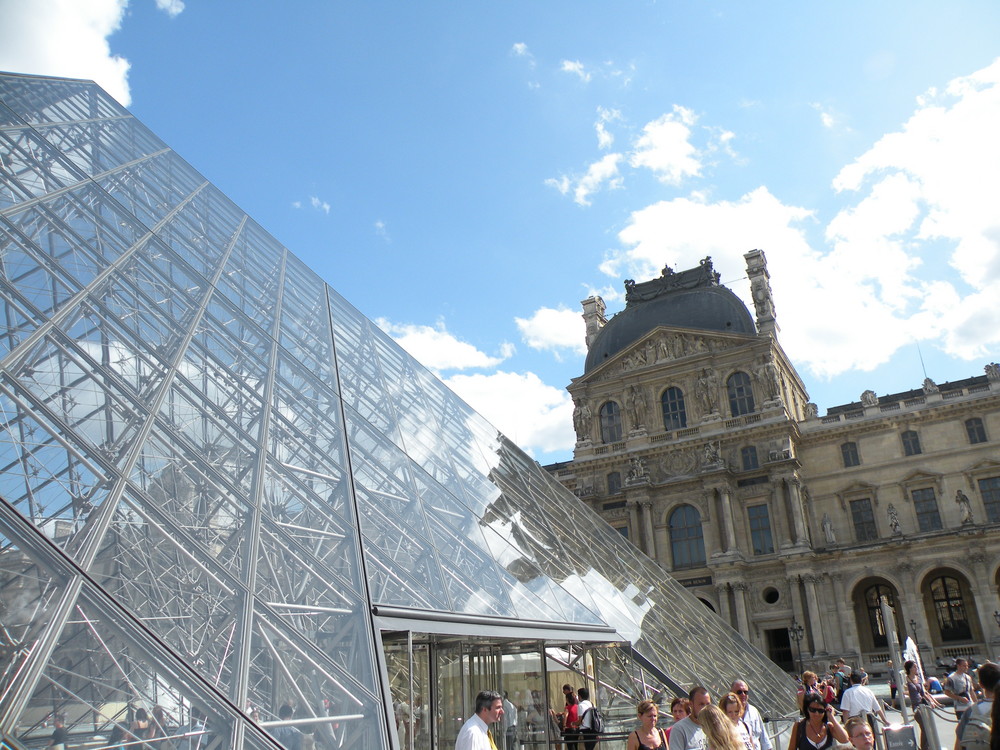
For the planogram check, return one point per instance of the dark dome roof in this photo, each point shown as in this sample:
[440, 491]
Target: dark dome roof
[712, 308]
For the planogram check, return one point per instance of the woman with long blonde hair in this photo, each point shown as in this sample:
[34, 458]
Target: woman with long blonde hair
[732, 707]
[720, 734]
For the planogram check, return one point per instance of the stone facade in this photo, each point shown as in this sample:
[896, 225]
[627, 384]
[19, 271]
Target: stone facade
[702, 447]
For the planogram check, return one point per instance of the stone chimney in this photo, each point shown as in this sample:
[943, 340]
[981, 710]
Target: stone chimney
[593, 317]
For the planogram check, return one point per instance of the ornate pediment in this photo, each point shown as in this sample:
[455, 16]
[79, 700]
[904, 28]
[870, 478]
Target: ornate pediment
[661, 346]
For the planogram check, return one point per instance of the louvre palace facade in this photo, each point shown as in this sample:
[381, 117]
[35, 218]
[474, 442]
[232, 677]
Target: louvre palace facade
[223, 490]
[698, 442]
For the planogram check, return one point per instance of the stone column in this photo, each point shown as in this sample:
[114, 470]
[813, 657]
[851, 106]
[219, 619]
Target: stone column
[742, 620]
[850, 641]
[725, 612]
[817, 614]
[635, 524]
[835, 625]
[649, 538]
[783, 522]
[710, 524]
[794, 497]
[984, 595]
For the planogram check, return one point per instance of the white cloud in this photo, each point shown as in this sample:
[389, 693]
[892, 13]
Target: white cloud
[296, 204]
[536, 416]
[826, 117]
[604, 116]
[319, 205]
[604, 171]
[575, 67]
[665, 147]
[554, 330]
[172, 8]
[66, 38]
[381, 230]
[938, 178]
[438, 349]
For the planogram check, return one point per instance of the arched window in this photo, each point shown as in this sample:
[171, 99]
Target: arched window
[611, 422]
[687, 544]
[975, 430]
[674, 414]
[740, 394]
[873, 598]
[911, 443]
[949, 607]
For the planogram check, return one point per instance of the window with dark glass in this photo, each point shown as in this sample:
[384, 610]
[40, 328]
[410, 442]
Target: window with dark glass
[926, 507]
[623, 530]
[674, 414]
[911, 443]
[873, 599]
[687, 544]
[748, 456]
[760, 530]
[949, 607]
[989, 490]
[611, 422]
[849, 452]
[614, 482]
[975, 430]
[863, 519]
[740, 394]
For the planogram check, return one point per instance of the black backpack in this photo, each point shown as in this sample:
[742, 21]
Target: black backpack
[596, 720]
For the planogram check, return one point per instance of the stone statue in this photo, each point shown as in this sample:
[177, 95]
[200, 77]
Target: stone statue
[635, 403]
[582, 417]
[992, 372]
[711, 456]
[828, 529]
[812, 411]
[965, 508]
[893, 520]
[930, 386]
[637, 470]
[868, 398]
[707, 391]
[767, 376]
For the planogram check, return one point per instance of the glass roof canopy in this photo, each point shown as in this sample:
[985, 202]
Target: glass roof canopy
[218, 478]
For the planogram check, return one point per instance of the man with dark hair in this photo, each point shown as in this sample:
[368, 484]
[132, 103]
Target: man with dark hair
[751, 716]
[287, 735]
[475, 733]
[858, 699]
[686, 734]
[586, 710]
[958, 687]
[975, 727]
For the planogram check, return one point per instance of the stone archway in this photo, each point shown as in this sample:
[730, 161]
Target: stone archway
[872, 630]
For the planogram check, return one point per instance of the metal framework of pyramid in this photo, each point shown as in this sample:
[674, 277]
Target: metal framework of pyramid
[213, 468]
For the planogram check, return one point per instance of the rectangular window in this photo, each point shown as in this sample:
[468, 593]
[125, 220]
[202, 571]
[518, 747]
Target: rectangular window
[989, 489]
[975, 430]
[614, 483]
[863, 519]
[849, 452]
[911, 443]
[926, 507]
[748, 455]
[760, 530]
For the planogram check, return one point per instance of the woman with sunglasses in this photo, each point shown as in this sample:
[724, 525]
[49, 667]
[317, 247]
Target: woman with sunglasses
[819, 729]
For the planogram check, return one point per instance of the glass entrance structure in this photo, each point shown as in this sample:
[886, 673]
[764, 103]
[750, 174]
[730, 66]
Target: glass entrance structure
[223, 490]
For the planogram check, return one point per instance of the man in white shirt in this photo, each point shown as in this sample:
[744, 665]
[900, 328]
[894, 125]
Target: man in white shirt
[686, 734]
[586, 720]
[752, 717]
[958, 687]
[475, 733]
[857, 698]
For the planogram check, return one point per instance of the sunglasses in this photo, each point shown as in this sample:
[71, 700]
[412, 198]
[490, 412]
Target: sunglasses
[742, 692]
[817, 710]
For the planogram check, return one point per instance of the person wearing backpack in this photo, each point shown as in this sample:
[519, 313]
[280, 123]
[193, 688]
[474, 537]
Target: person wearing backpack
[591, 721]
[975, 726]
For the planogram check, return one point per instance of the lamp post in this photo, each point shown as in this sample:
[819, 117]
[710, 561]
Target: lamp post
[796, 632]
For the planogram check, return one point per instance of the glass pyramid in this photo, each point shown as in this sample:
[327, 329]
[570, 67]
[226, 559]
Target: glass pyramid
[215, 472]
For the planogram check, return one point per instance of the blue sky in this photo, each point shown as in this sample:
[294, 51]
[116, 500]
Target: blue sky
[466, 173]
